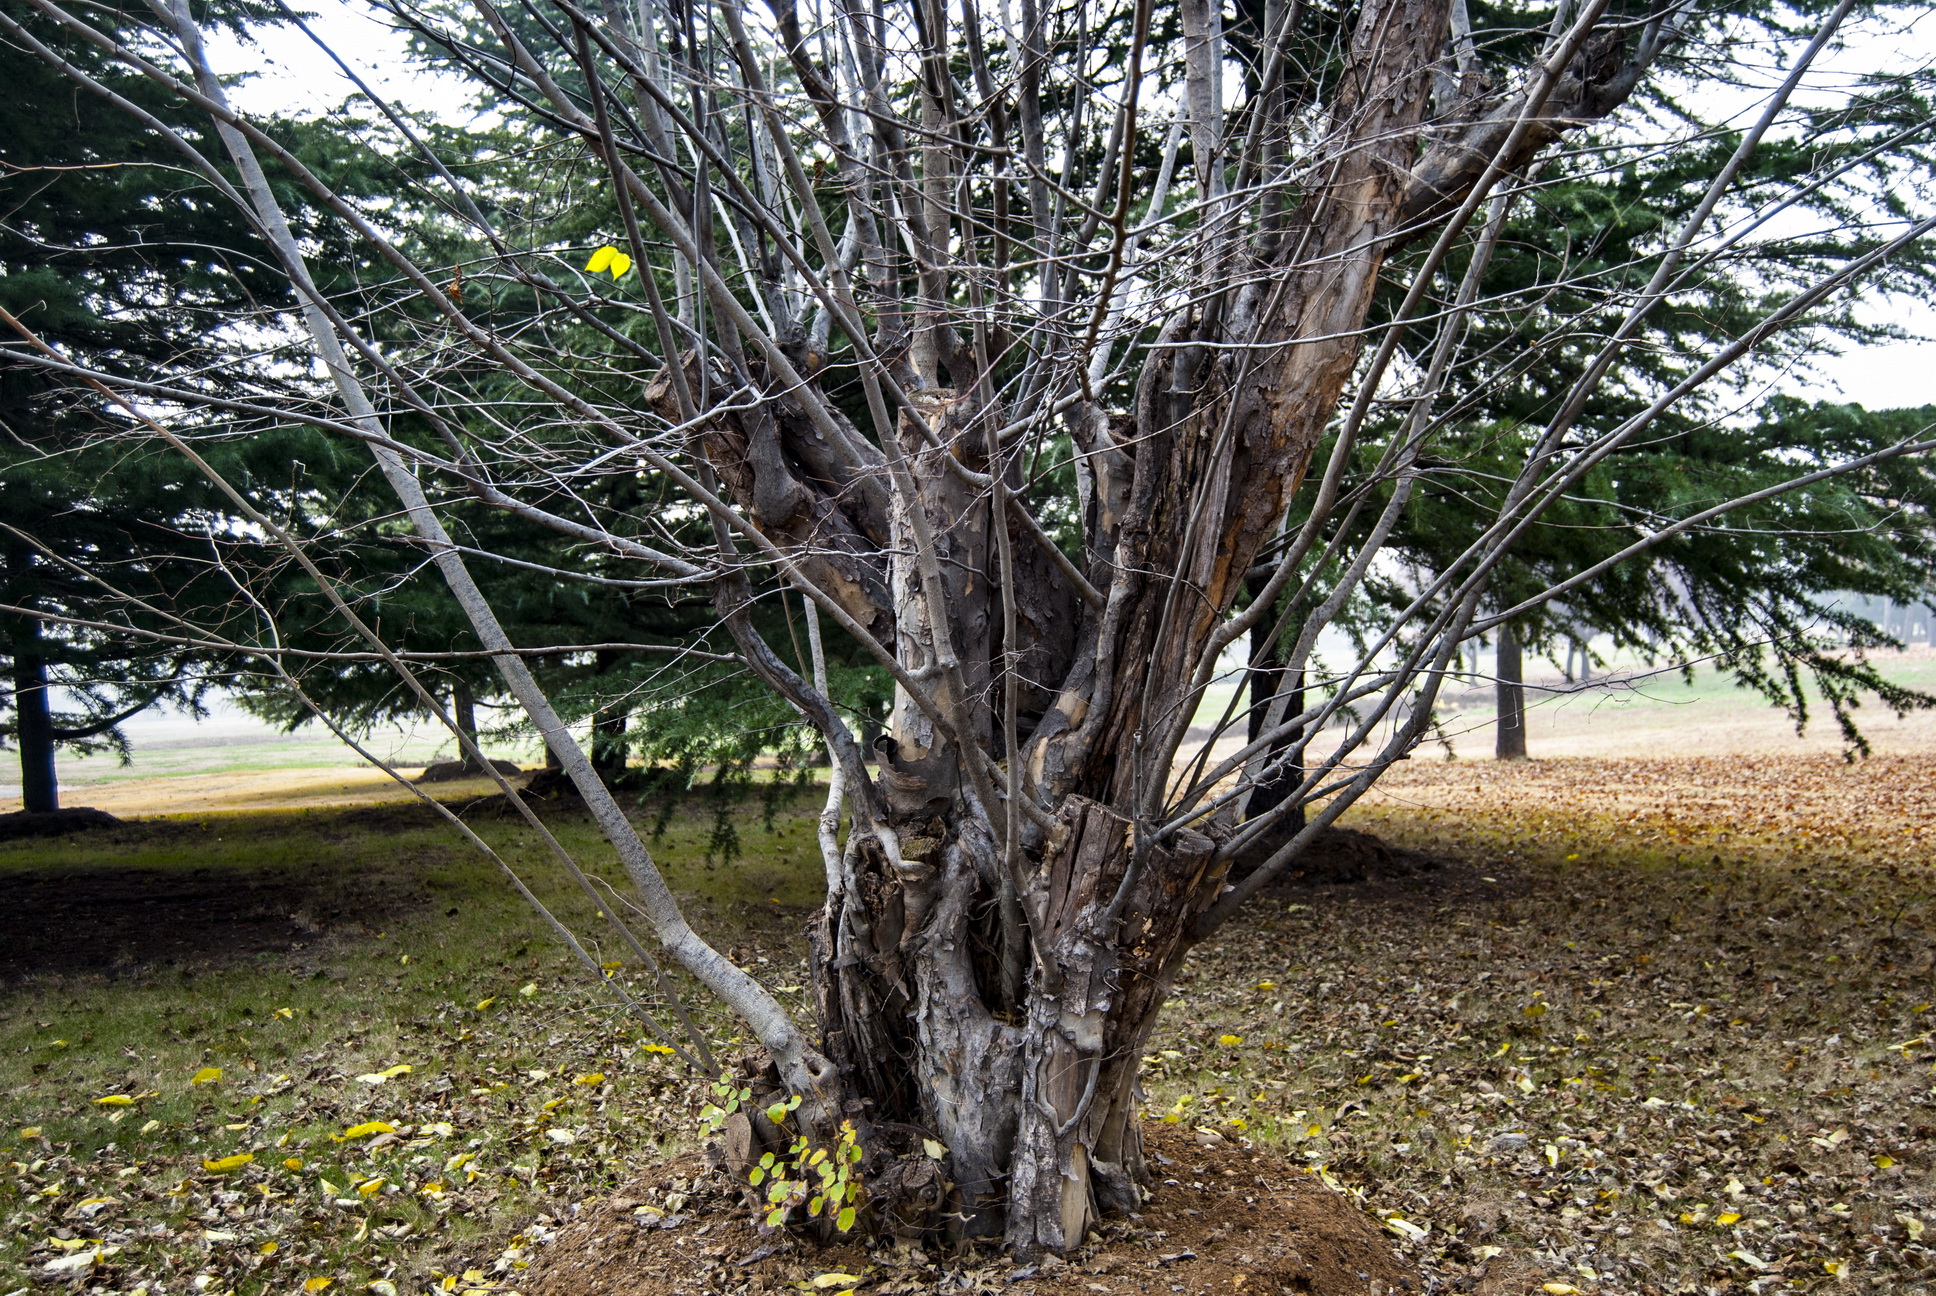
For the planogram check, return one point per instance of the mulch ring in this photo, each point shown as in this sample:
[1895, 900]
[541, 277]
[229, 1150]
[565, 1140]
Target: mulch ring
[1222, 1219]
[103, 917]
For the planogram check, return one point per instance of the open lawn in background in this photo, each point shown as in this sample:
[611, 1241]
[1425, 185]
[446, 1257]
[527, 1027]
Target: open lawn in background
[1653, 1026]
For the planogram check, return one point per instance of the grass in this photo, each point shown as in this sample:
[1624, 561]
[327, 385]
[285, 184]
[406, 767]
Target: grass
[453, 977]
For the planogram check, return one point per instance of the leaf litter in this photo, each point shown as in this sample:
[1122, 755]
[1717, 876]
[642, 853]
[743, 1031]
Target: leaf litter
[1663, 1026]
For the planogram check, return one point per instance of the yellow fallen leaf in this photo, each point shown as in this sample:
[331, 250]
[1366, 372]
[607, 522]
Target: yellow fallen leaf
[269, 1248]
[207, 1075]
[473, 1275]
[482, 1004]
[151, 1127]
[365, 1130]
[656, 1048]
[30, 1132]
[292, 1163]
[222, 1165]
[329, 1189]
[1882, 1162]
[285, 1013]
[1560, 1289]
[590, 1078]
[372, 1186]
[1230, 1041]
[115, 1100]
[528, 990]
[601, 259]
[317, 1284]
[1728, 1217]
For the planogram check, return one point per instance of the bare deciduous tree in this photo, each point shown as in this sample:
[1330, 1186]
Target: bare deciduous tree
[1006, 343]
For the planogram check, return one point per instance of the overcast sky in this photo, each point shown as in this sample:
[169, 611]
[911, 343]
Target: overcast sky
[291, 76]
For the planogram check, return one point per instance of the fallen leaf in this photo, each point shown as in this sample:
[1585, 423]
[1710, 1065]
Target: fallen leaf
[365, 1130]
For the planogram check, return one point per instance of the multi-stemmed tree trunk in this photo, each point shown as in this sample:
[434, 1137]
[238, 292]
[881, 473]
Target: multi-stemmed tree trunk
[887, 305]
[989, 966]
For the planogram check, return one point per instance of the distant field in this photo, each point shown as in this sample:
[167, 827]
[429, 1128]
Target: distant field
[234, 762]
[1635, 714]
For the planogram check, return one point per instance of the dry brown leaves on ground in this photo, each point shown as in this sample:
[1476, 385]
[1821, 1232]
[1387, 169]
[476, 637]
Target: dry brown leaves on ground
[1666, 1029]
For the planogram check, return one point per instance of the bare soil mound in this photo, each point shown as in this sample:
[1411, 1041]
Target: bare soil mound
[1337, 856]
[18, 825]
[452, 770]
[1222, 1219]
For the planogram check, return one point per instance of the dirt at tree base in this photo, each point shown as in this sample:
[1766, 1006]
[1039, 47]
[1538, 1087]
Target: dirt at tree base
[1222, 1219]
[452, 770]
[1337, 856]
[126, 920]
[20, 825]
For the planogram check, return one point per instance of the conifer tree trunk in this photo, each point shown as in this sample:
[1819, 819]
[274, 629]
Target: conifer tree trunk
[463, 706]
[34, 724]
[1510, 737]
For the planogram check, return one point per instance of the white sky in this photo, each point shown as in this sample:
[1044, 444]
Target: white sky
[289, 75]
